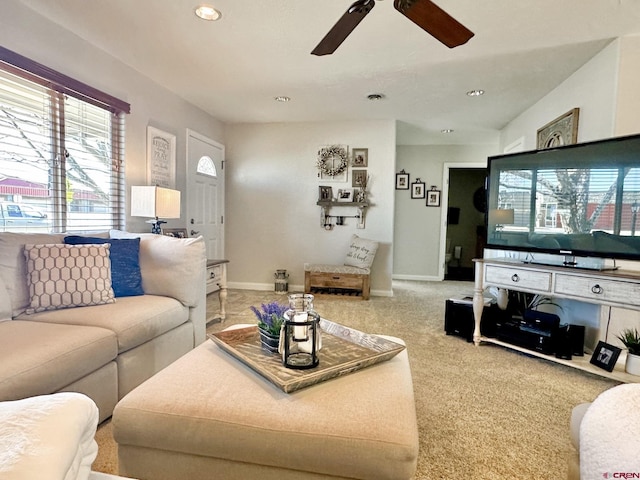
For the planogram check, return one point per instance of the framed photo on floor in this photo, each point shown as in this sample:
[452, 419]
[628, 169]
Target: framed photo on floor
[605, 356]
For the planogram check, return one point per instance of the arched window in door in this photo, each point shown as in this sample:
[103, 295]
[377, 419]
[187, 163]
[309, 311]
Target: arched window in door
[206, 167]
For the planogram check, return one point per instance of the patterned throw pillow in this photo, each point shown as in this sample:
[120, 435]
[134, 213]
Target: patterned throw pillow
[126, 278]
[361, 252]
[62, 276]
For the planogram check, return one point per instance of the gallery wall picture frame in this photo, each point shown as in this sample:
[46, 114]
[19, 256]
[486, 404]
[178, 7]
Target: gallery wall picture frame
[333, 163]
[433, 197]
[605, 356]
[560, 131]
[418, 189]
[345, 195]
[161, 158]
[325, 193]
[360, 157]
[402, 180]
[175, 232]
[358, 178]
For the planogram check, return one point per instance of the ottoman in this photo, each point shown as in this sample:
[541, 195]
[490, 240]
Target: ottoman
[208, 415]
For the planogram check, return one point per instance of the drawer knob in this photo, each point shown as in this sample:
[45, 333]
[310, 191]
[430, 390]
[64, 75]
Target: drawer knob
[515, 278]
[335, 278]
[597, 289]
[212, 275]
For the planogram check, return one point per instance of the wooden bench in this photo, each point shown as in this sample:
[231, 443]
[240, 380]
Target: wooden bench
[333, 278]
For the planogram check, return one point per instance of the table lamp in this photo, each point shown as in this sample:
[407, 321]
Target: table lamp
[156, 202]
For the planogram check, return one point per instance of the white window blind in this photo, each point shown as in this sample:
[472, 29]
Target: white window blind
[61, 154]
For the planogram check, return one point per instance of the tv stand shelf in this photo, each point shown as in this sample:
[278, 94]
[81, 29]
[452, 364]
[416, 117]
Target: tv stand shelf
[616, 288]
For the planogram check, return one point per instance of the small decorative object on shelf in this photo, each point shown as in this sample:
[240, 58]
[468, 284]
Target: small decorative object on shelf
[270, 321]
[605, 356]
[281, 282]
[631, 339]
[325, 194]
[345, 195]
[301, 339]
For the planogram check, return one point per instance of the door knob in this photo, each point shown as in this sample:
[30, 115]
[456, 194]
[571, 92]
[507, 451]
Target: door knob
[193, 232]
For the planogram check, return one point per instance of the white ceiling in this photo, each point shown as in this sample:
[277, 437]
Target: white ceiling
[235, 67]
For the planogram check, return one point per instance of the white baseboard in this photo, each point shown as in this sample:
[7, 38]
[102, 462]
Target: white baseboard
[417, 278]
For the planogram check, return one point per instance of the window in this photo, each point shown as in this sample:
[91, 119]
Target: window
[61, 151]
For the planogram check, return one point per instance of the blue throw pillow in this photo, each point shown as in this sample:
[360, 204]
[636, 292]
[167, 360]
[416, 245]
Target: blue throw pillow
[126, 279]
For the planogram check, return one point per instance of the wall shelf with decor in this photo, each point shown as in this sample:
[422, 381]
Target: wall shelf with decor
[326, 219]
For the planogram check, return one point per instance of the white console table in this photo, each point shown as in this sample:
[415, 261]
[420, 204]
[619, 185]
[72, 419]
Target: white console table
[617, 288]
[217, 282]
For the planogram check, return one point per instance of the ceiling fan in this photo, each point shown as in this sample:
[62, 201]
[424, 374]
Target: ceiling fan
[424, 13]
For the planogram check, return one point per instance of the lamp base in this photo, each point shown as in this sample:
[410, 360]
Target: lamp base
[155, 226]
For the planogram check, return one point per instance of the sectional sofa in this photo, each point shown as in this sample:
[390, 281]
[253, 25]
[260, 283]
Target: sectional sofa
[98, 314]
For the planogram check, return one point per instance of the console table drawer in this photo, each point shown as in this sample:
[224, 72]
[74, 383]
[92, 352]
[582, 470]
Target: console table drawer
[518, 279]
[598, 289]
[214, 276]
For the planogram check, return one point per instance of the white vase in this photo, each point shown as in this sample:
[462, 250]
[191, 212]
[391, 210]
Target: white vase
[632, 365]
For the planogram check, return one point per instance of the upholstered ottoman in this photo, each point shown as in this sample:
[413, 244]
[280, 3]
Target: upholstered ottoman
[209, 416]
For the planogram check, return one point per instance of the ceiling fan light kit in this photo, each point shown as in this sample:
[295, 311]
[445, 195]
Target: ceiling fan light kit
[424, 13]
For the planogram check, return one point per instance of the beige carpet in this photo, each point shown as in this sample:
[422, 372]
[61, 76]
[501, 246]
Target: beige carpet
[483, 412]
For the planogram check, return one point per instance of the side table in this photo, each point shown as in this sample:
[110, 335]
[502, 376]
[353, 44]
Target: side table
[217, 282]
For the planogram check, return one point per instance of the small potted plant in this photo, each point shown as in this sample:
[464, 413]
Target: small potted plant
[270, 319]
[630, 337]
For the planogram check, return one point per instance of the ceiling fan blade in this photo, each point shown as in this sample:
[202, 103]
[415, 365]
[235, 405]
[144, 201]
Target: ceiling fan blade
[435, 21]
[341, 30]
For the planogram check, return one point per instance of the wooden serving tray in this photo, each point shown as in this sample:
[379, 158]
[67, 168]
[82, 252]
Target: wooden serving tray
[344, 350]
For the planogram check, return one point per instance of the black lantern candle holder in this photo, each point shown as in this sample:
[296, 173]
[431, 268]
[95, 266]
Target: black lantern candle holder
[301, 341]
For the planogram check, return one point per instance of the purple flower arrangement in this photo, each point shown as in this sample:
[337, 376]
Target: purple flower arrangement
[271, 317]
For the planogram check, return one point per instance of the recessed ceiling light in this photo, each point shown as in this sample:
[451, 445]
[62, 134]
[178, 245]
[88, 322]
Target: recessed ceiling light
[475, 93]
[375, 97]
[446, 130]
[207, 12]
[282, 98]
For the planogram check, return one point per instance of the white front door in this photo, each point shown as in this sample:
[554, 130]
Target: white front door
[205, 192]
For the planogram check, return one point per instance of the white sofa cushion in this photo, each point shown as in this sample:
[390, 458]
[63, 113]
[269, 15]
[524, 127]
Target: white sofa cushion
[13, 268]
[62, 276]
[49, 437]
[170, 266]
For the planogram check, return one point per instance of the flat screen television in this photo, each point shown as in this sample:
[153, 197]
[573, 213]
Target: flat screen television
[579, 202]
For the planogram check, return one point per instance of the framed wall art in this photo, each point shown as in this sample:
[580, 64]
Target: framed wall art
[417, 189]
[325, 194]
[161, 158]
[345, 195]
[333, 163]
[360, 157]
[359, 178]
[402, 180]
[561, 131]
[433, 197]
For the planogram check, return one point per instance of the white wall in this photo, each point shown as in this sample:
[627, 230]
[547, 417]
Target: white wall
[273, 221]
[36, 38]
[418, 227]
[592, 88]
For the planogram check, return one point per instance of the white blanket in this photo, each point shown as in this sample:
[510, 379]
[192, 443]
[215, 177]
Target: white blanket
[610, 435]
[50, 437]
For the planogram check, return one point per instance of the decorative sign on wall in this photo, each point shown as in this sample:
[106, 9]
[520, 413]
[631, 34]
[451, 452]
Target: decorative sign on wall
[161, 158]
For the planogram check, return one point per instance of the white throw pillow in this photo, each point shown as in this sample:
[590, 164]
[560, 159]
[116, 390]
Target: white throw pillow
[172, 267]
[361, 252]
[62, 276]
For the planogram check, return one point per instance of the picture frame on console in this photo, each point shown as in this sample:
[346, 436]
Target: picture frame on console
[605, 356]
[175, 232]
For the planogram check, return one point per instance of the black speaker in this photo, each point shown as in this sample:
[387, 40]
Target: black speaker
[576, 338]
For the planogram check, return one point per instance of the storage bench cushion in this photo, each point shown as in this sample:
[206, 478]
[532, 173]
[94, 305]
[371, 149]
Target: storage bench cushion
[210, 410]
[40, 357]
[326, 268]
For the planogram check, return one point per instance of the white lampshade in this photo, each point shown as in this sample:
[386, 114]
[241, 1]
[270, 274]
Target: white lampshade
[156, 202]
[501, 216]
